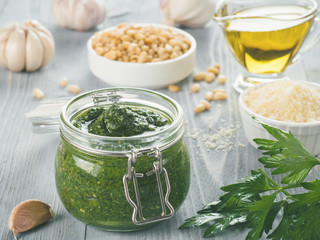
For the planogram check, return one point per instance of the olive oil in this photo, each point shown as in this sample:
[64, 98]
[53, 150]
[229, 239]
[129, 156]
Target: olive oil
[267, 44]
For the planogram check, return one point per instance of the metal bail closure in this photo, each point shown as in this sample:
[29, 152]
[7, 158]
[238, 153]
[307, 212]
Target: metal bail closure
[112, 97]
[157, 169]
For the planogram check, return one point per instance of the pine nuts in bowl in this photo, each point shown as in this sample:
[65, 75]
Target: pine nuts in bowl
[287, 105]
[141, 55]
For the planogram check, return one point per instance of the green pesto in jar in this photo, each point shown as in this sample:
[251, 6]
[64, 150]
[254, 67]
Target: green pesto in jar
[120, 121]
[90, 185]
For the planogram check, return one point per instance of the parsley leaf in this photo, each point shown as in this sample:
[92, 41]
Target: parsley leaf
[257, 215]
[252, 200]
[286, 155]
[310, 198]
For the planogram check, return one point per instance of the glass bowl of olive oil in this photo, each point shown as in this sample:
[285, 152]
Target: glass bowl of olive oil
[265, 36]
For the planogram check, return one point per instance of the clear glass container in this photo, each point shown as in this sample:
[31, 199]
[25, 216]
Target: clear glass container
[267, 36]
[122, 183]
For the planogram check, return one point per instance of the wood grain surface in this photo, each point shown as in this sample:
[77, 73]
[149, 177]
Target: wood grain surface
[27, 159]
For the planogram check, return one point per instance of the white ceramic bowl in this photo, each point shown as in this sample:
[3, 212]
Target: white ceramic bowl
[307, 133]
[146, 75]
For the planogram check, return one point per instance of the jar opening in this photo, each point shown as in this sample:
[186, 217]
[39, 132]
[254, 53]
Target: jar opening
[124, 96]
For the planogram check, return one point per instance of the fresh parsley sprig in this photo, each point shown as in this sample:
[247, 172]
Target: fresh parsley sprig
[254, 201]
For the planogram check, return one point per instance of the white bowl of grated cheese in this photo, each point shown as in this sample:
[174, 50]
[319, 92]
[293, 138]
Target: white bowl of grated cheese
[288, 105]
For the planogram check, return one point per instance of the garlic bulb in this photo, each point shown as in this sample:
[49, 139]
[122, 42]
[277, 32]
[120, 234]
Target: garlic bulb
[28, 46]
[190, 13]
[79, 14]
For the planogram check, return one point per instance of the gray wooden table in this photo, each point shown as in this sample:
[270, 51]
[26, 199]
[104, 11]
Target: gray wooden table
[27, 159]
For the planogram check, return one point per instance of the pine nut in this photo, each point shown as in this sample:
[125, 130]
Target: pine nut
[38, 93]
[209, 96]
[220, 96]
[214, 70]
[205, 103]
[142, 57]
[222, 79]
[217, 65]
[74, 88]
[195, 88]
[112, 55]
[210, 77]
[199, 76]
[63, 82]
[199, 108]
[173, 88]
[130, 39]
[218, 90]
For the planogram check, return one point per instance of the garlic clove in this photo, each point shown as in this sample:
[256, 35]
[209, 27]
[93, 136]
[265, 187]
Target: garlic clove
[47, 44]
[192, 13]
[28, 215]
[34, 51]
[3, 60]
[81, 20]
[79, 14]
[15, 50]
[48, 48]
[6, 30]
[87, 14]
[41, 28]
[4, 35]
[101, 11]
[60, 11]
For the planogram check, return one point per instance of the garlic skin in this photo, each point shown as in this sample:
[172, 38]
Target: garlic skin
[29, 214]
[26, 46]
[80, 15]
[189, 13]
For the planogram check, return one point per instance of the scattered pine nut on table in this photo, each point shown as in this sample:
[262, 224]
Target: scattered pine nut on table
[37, 92]
[173, 88]
[217, 65]
[220, 95]
[74, 88]
[209, 96]
[222, 79]
[63, 82]
[199, 108]
[200, 76]
[214, 70]
[206, 104]
[210, 77]
[195, 88]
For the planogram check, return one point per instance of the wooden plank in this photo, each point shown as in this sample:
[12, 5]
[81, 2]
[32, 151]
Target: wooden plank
[27, 160]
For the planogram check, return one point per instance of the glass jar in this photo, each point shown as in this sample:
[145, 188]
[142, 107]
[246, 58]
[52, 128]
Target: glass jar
[122, 183]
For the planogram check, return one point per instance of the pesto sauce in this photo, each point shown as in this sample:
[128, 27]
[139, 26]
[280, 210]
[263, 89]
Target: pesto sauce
[120, 121]
[90, 186]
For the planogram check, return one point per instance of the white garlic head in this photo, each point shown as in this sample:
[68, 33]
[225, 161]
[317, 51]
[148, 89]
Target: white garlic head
[189, 13]
[81, 15]
[26, 46]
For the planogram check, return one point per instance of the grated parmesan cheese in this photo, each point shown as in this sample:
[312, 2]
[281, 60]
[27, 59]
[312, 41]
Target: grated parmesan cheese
[287, 101]
[218, 139]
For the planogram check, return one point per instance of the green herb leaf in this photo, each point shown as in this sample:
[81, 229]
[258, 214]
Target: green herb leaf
[307, 223]
[285, 229]
[310, 198]
[251, 200]
[257, 215]
[272, 214]
[228, 220]
[286, 155]
[200, 220]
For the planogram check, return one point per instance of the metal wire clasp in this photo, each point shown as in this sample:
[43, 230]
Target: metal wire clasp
[157, 169]
[112, 96]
